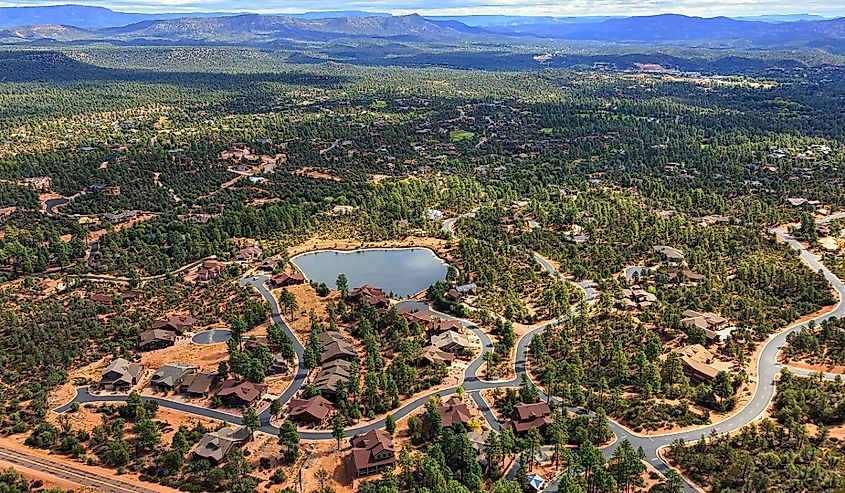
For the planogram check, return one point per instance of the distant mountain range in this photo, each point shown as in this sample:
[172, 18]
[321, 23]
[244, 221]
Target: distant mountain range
[20, 25]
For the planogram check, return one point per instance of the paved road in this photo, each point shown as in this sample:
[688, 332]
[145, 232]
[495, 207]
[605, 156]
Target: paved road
[76, 475]
[767, 371]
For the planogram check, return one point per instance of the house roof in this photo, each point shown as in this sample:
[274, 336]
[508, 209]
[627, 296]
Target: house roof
[454, 411]
[241, 389]
[169, 374]
[216, 445]
[450, 338]
[121, 370]
[315, 408]
[670, 253]
[368, 446]
[152, 335]
[434, 355]
[199, 383]
[178, 322]
[333, 345]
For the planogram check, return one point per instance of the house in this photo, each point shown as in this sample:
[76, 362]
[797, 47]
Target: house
[369, 295]
[699, 364]
[287, 279]
[280, 365]
[199, 384]
[451, 342]
[248, 253]
[415, 317]
[132, 295]
[525, 417]
[687, 274]
[102, 299]
[637, 297]
[120, 375]
[372, 452]
[330, 376]
[175, 323]
[478, 441]
[217, 445]
[453, 295]
[714, 326]
[434, 215]
[312, 410]
[153, 339]
[170, 377]
[454, 411]
[208, 271]
[440, 326]
[432, 355]
[670, 254]
[268, 265]
[334, 346]
[240, 393]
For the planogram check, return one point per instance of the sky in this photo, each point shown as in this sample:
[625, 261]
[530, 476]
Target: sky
[705, 8]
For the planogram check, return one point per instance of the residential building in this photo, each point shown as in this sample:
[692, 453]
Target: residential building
[370, 295]
[525, 417]
[312, 410]
[240, 393]
[120, 375]
[451, 342]
[330, 376]
[287, 279]
[170, 376]
[334, 346]
[714, 326]
[432, 355]
[153, 339]
[670, 254]
[372, 452]
[248, 253]
[176, 323]
[699, 364]
[454, 411]
[200, 384]
[216, 446]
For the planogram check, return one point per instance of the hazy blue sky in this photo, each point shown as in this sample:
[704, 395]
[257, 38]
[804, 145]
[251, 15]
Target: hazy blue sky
[464, 7]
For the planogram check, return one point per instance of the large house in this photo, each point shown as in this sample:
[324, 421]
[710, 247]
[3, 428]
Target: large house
[240, 393]
[287, 279]
[672, 255]
[525, 417]
[208, 271]
[700, 364]
[199, 384]
[432, 355]
[153, 339]
[415, 317]
[714, 326]
[176, 323]
[120, 375]
[369, 295]
[330, 376]
[334, 346]
[372, 452]
[170, 377]
[312, 410]
[451, 342]
[248, 253]
[637, 297]
[440, 326]
[217, 445]
[454, 411]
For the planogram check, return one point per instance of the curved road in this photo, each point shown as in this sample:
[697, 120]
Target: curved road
[768, 369]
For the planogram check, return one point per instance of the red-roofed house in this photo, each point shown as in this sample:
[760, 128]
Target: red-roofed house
[528, 416]
[372, 452]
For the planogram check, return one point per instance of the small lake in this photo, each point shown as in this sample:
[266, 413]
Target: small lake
[403, 271]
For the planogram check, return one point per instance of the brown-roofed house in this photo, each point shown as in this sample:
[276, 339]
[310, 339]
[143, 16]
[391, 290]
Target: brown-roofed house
[240, 393]
[176, 323]
[199, 384]
[334, 346]
[431, 355]
[312, 410]
[248, 253]
[454, 411]
[102, 299]
[156, 339]
[525, 417]
[441, 326]
[372, 452]
[369, 295]
[287, 279]
[208, 271]
[415, 317]
[699, 363]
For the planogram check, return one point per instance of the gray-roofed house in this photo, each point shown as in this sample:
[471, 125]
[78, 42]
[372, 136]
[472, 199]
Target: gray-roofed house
[120, 375]
[199, 384]
[217, 445]
[171, 376]
[451, 342]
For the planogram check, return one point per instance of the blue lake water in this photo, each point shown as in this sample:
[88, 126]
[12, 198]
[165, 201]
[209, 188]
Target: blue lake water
[403, 272]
